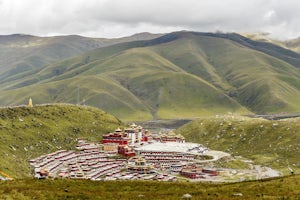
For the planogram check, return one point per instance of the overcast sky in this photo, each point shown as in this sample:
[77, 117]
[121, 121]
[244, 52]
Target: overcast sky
[117, 18]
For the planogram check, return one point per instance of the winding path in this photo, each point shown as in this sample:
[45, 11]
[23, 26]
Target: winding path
[215, 154]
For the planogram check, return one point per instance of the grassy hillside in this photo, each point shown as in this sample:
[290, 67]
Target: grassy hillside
[268, 48]
[22, 55]
[27, 133]
[97, 91]
[279, 188]
[178, 75]
[267, 142]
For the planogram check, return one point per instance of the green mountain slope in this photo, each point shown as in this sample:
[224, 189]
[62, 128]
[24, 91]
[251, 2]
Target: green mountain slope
[155, 86]
[21, 55]
[273, 48]
[270, 143]
[178, 75]
[27, 133]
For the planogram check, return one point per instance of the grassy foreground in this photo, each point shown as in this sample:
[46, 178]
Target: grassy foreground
[279, 188]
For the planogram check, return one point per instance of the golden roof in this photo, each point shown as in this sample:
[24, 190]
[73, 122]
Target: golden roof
[140, 160]
[118, 130]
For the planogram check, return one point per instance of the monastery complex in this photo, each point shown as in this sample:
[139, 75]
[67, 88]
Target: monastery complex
[131, 153]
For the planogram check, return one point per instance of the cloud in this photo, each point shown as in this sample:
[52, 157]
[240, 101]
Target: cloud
[113, 18]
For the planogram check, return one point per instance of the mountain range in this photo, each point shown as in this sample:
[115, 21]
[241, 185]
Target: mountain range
[146, 76]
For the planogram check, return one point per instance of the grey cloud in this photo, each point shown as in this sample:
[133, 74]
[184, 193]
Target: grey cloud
[111, 18]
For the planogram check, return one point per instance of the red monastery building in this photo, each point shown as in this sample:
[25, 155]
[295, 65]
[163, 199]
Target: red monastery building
[126, 139]
[116, 137]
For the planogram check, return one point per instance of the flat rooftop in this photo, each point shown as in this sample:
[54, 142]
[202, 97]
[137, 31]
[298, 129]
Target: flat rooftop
[168, 147]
